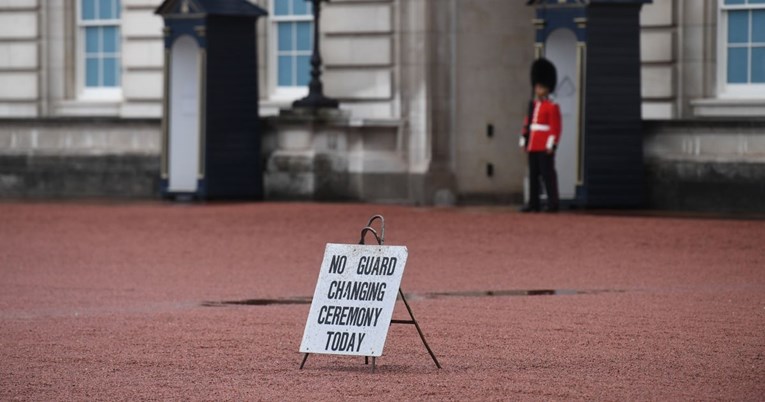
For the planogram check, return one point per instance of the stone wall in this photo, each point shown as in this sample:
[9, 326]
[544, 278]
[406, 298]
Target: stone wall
[326, 156]
[704, 165]
[79, 158]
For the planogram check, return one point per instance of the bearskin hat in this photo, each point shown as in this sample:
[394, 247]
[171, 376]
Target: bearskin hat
[543, 72]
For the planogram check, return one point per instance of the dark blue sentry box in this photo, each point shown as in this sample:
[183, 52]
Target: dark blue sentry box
[210, 129]
[595, 45]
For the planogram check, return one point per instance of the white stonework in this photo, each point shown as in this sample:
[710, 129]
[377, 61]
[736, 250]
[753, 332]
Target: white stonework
[358, 18]
[357, 51]
[657, 46]
[657, 81]
[78, 139]
[18, 24]
[659, 110]
[143, 85]
[18, 3]
[141, 23]
[659, 13]
[143, 54]
[658, 55]
[18, 55]
[359, 84]
[18, 86]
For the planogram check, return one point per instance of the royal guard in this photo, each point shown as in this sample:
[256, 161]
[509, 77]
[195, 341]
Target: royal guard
[541, 135]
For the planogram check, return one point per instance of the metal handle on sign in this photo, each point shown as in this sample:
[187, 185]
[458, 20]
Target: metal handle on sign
[368, 228]
[374, 232]
[382, 226]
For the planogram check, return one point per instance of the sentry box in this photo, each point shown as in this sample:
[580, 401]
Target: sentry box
[595, 46]
[210, 129]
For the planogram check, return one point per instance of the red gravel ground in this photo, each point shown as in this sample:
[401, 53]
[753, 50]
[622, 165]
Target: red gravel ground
[105, 302]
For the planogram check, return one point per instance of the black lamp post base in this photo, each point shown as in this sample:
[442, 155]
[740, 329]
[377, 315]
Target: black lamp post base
[316, 101]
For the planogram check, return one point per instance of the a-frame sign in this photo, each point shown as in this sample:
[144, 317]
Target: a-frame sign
[355, 295]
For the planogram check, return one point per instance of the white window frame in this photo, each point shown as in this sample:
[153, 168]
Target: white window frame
[276, 92]
[85, 93]
[724, 89]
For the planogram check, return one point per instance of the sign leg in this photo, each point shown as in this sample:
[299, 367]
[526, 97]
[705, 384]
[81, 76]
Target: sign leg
[374, 363]
[419, 330]
[305, 357]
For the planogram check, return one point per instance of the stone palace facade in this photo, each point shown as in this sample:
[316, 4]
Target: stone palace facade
[433, 95]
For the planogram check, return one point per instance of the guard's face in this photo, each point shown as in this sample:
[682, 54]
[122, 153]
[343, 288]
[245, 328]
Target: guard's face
[541, 91]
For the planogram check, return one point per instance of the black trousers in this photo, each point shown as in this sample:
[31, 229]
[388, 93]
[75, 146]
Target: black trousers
[542, 164]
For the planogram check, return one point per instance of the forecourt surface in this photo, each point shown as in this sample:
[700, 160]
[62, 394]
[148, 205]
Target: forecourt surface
[108, 302]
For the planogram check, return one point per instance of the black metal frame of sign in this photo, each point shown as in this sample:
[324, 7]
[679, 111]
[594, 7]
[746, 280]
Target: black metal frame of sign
[413, 321]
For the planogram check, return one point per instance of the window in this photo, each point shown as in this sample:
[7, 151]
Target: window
[742, 48]
[292, 43]
[99, 58]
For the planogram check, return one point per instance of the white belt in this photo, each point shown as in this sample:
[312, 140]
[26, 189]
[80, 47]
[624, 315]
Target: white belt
[540, 127]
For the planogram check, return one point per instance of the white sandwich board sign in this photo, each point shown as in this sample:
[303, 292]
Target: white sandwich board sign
[354, 299]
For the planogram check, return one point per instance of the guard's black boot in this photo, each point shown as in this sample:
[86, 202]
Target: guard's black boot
[552, 210]
[529, 208]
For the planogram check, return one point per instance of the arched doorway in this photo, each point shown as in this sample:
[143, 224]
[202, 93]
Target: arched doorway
[561, 49]
[184, 116]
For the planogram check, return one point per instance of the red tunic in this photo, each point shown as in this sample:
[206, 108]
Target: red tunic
[545, 127]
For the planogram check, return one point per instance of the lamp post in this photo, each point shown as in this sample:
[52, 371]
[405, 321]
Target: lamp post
[316, 98]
